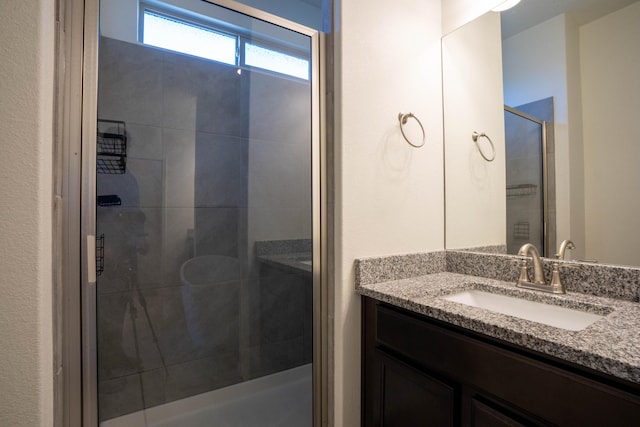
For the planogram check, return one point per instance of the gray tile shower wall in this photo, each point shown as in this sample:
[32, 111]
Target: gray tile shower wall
[190, 126]
[202, 96]
[288, 121]
[130, 83]
[221, 171]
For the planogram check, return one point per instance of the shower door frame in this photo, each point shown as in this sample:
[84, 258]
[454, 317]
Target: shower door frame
[86, 180]
[546, 249]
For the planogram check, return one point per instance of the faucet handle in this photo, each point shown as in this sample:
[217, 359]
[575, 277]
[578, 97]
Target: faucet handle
[524, 272]
[556, 284]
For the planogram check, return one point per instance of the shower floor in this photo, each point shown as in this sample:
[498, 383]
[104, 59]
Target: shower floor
[283, 399]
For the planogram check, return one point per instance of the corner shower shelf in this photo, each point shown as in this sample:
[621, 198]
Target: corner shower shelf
[521, 190]
[111, 151]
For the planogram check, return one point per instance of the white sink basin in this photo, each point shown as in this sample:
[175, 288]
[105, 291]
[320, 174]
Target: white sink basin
[553, 315]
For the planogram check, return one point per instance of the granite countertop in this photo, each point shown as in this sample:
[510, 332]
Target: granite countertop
[610, 345]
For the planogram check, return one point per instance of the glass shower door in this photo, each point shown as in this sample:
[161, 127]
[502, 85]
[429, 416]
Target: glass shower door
[525, 164]
[204, 218]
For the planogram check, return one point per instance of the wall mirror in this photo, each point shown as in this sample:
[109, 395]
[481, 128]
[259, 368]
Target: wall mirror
[555, 87]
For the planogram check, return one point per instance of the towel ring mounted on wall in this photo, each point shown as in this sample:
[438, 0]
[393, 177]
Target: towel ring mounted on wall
[402, 118]
[475, 135]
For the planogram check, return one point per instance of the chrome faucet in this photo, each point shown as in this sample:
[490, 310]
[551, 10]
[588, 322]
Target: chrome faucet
[538, 282]
[566, 244]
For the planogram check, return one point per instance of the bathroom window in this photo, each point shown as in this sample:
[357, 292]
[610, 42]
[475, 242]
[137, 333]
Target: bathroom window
[165, 30]
[269, 59]
[181, 36]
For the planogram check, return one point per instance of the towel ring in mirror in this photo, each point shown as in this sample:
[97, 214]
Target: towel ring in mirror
[475, 135]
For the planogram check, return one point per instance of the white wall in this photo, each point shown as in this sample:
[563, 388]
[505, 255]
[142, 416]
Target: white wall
[26, 132]
[536, 64]
[389, 196]
[610, 61]
[576, 213]
[473, 101]
[456, 13]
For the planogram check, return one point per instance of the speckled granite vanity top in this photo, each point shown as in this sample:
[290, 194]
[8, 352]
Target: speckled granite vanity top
[610, 345]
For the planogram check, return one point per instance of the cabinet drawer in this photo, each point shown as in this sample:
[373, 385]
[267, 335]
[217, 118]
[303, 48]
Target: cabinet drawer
[533, 386]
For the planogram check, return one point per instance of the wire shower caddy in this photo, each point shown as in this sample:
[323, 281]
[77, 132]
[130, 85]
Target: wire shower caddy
[111, 150]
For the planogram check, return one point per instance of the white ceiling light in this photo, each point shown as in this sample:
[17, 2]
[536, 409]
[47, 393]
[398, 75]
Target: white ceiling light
[505, 5]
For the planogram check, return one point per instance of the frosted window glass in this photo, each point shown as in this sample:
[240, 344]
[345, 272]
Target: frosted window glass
[268, 59]
[183, 37]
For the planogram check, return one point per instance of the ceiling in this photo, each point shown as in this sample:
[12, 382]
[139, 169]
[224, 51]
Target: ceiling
[532, 12]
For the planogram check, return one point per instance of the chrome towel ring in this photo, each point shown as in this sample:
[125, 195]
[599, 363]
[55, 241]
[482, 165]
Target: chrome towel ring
[475, 135]
[402, 118]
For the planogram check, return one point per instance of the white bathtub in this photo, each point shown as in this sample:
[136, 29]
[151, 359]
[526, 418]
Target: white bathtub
[283, 399]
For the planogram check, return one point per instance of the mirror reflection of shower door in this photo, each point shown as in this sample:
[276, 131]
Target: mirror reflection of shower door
[205, 225]
[525, 164]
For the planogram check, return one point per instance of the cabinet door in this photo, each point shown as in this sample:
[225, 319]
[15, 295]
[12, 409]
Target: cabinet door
[408, 397]
[485, 416]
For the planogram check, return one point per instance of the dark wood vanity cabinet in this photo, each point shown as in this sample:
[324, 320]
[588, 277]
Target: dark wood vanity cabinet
[417, 371]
